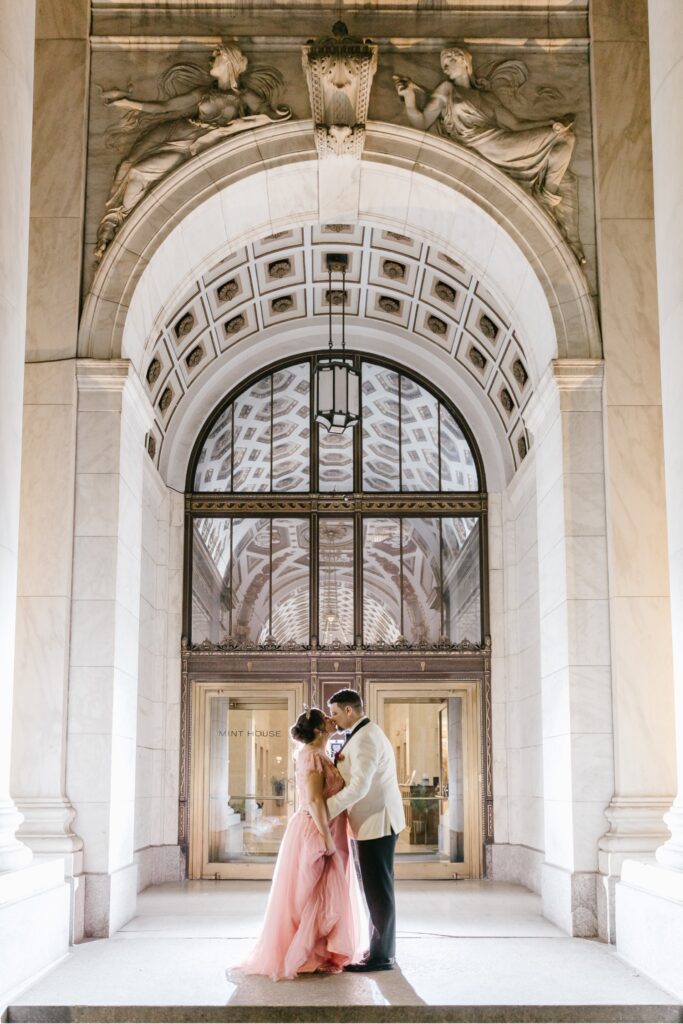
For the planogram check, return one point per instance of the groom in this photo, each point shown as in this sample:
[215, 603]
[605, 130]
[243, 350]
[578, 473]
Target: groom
[373, 801]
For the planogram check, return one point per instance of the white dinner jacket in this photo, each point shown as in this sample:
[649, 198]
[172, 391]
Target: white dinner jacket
[371, 795]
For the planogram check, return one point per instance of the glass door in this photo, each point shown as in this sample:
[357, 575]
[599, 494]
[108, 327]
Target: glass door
[435, 737]
[243, 791]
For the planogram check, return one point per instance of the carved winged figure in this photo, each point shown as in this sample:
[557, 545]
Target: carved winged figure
[197, 109]
[469, 111]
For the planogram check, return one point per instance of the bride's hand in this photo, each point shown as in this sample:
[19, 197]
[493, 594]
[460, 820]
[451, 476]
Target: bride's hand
[330, 845]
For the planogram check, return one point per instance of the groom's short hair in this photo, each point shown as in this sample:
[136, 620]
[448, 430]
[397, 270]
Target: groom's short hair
[347, 698]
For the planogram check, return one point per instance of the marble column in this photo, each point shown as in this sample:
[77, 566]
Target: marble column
[640, 627]
[666, 70]
[17, 26]
[44, 620]
[49, 442]
[566, 422]
[113, 417]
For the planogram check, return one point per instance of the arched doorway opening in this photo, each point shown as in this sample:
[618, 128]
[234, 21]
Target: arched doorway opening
[445, 209]
[315, 562]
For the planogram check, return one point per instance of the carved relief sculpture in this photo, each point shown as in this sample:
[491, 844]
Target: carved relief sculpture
[197, 109]
[339, 71]
[470, 111]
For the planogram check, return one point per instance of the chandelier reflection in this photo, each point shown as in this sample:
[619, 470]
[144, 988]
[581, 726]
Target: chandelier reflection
[337, 384]
[336, 583]
[332, 631]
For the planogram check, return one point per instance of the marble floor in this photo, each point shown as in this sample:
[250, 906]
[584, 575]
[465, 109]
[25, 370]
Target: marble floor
[466, 943]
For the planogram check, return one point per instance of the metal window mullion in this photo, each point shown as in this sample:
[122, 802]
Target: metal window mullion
[230, 602]
[357, 446]
[441, 580]
[314, 576]
[483, 575]
[358, 578]
[272, 387]
[270, 578]
[438, 439]
[400, 535]
[232, 449]
[188, 565]
[400, 432]
[313, 434]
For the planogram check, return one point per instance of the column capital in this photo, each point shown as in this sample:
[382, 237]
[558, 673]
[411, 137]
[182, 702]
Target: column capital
[577, 374]
[102, 374]
[108, 376]
[563, 376]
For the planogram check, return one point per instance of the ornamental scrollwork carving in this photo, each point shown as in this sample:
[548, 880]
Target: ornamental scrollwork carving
[197, 107]
[339, 70]
[476, 112]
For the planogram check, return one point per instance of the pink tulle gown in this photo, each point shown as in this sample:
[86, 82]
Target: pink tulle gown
[314, 917]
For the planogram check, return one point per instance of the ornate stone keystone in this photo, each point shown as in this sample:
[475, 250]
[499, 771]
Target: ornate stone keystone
[339, 71]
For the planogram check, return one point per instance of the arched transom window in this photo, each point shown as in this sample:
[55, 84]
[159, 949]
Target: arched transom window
[303, 539]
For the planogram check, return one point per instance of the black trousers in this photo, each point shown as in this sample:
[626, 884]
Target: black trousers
[376, 863]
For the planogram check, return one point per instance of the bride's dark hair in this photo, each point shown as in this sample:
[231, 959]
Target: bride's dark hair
[307, 724]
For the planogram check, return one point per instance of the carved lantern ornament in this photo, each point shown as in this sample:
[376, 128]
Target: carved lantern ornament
[339, 71]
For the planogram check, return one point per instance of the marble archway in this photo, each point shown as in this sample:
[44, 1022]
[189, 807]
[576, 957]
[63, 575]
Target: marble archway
[408, 182]
[246, 192]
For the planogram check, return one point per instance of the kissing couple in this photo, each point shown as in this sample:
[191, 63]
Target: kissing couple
[315, 918]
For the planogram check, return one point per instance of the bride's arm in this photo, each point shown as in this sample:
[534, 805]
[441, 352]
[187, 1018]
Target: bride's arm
[318, 810]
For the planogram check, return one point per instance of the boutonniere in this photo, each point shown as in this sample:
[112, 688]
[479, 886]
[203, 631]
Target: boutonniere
[338, 756]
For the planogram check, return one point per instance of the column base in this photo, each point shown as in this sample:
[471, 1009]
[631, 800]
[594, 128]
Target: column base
[159, 864]
[110, 901]
[636, 830]
[13, 853]
[649, 913]
[508, 862]
[670, 854]
[570, 900]
[34, 923]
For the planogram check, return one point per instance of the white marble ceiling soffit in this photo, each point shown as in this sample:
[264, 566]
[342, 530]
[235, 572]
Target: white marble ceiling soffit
[394, 282]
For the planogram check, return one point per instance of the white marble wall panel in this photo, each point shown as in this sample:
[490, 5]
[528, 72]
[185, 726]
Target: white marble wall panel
[575, 648]
[521, 761]
[640, 634]
[498, 662]
[101, 776]
[666, 23]
[16, 80]
[158, 710]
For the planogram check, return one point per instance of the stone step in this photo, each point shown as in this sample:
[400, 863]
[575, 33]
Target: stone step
[496, 1014]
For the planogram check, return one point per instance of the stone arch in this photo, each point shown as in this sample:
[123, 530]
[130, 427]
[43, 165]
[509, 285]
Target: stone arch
[407, 181]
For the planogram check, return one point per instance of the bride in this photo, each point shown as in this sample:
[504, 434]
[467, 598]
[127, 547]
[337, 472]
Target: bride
[314, 916]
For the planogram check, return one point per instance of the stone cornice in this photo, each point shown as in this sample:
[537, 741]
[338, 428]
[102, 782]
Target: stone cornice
[102, 374]
[115, 375]
[563, 375]
[552, 21]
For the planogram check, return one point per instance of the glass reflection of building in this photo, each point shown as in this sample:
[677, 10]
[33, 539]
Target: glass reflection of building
[396, 561]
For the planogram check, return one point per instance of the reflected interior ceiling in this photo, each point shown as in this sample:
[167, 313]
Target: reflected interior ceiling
[392, 280]
[261, 441]
[253, 602]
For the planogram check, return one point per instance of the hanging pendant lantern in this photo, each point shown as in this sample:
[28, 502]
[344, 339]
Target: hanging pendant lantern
[337, 384]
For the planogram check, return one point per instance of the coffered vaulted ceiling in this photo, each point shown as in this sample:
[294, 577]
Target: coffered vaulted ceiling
[393, 281]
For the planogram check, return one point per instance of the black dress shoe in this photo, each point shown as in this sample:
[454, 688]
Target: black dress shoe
[372, 965]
